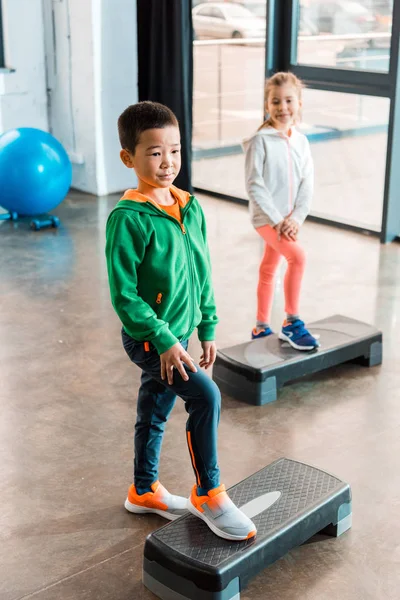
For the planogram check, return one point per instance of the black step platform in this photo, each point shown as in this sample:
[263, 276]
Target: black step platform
[253, 372]
[288, 501]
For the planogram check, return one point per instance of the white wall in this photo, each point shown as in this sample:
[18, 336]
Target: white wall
[76, 71]
[70, 76]
[92, 78]
[116, 84]
[23, 101]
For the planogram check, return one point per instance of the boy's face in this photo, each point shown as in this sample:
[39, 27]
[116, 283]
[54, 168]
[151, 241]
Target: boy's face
[157, 158]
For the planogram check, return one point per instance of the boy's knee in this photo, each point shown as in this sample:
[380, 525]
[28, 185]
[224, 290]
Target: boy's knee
[212, 395]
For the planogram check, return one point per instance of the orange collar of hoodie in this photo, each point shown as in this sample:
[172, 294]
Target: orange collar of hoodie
[180, 195]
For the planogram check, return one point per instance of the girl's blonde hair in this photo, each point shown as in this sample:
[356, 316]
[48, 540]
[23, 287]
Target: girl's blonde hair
[277, 80]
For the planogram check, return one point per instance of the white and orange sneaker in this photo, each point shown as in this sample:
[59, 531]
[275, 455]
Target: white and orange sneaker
[221, 515]
[158, 501]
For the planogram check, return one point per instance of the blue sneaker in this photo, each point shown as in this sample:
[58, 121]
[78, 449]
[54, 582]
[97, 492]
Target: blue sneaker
[262, 333]
[297, 336]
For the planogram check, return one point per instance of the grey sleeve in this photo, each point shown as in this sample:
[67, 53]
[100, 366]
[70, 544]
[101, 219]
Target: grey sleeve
[255, 184]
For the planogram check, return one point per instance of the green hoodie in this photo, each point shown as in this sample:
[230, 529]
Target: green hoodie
[159, 270]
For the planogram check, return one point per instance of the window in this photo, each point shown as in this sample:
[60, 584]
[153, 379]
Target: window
[237, 12]
[205, 12]
[217, 14]
[348, 136]
[229, 74]
[345, 34]
[343, 51]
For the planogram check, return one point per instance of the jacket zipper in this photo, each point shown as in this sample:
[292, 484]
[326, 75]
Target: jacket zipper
[188, 253]
[190, 261]
[290, 173]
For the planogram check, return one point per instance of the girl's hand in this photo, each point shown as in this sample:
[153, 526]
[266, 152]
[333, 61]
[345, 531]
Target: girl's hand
[290, 229]
[207, 359]
[287, 230]
[278, 228]
[175, 357]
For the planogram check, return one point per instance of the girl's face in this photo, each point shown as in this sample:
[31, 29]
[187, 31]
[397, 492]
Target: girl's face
[283, 106]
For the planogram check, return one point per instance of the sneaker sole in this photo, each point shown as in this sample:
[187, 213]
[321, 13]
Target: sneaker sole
[287, 339]
[214, 529]
[140, 510]
[261, 337]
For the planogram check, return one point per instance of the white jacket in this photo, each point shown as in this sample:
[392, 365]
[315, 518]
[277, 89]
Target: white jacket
[279, 176]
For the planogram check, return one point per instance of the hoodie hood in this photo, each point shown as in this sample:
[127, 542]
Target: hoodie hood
[268, 131]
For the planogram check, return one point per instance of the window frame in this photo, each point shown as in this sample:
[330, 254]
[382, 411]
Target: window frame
[281, 55]
[2, 54]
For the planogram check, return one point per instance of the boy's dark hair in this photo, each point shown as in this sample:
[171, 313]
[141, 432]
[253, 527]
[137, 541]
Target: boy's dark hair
[142, 116]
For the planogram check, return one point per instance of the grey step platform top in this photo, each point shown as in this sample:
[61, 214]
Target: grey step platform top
[254, 371]
[288, 501]
[336, 333]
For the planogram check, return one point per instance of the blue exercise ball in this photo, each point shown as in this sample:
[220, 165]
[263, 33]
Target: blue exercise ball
[35, 171]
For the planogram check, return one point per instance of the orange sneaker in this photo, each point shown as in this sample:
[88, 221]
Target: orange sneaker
[222, 516]
[158, 501]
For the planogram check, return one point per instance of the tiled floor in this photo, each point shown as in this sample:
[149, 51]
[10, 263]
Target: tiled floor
[67, 400]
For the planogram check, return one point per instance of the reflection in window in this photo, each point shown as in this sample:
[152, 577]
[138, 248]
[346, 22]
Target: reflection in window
[229, 20]
[348, 136]
[346, 34]
[229, 59]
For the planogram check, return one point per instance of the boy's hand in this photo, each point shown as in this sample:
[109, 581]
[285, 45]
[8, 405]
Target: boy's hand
[289, 228]
[207, 359]
[174, 358]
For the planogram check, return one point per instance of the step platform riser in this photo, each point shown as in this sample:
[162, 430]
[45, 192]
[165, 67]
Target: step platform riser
[254, 371]
[185, 561]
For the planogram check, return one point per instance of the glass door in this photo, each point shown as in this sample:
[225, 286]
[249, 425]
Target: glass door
[229, 74]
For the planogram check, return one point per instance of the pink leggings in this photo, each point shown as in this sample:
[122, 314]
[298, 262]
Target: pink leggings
[295, 256]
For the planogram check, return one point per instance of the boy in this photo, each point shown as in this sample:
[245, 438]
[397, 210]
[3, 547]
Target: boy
[160, 283]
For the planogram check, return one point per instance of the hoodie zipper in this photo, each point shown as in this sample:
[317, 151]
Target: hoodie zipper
[290, 173]
[187, 245]
[189, 255]
[191, 270]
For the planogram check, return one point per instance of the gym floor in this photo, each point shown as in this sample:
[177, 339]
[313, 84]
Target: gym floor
[67, 402]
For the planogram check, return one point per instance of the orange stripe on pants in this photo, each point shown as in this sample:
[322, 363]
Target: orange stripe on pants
[189, 439]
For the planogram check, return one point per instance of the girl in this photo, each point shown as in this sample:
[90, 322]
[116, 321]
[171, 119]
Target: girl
[279, 183]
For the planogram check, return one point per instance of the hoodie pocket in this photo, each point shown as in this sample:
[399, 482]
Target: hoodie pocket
[138, 352]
